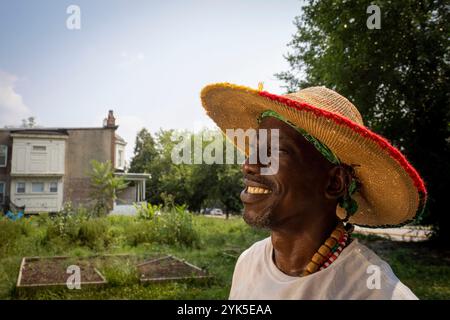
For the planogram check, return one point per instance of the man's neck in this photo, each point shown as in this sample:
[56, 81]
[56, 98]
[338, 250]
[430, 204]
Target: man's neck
[294, 246]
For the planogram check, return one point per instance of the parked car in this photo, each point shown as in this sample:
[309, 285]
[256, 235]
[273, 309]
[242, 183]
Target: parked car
[216, 212]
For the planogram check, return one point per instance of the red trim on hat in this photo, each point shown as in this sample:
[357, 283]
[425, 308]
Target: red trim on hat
[382, 142]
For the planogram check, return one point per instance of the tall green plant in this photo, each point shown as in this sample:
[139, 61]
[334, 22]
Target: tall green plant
[105, 186]
[147, 211]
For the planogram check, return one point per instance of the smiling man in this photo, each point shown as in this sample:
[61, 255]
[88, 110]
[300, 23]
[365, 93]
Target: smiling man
[332, 172]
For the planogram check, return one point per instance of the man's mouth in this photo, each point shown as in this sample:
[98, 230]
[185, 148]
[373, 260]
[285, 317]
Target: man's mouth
[257, 190]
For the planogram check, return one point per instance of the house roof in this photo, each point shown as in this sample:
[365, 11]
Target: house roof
[40, 131]
[120, 140]
[56, 131]
[32, 130]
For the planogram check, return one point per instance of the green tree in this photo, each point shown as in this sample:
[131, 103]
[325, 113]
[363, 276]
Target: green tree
[146, 158]
[398, 76]
[105, 186]
[228, 188]
[30, 122]
[144, 151]
[192, 184]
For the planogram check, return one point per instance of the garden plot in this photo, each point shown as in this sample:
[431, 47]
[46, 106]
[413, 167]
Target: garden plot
[169, 268]
[55, 271]
[95, 271]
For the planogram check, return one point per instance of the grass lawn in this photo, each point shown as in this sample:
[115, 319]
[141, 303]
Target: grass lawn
[425, 270]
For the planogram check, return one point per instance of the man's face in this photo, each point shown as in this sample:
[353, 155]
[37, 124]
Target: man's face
[295, 192]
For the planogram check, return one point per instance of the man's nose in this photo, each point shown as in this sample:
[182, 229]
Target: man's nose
[250, 168]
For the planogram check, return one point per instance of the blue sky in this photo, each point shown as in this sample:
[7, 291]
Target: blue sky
[146, 60]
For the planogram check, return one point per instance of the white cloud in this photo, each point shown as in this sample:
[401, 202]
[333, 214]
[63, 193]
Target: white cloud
[12, 107]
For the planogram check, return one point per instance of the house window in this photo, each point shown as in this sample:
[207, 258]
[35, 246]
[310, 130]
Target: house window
[37, 187]
[120, 158]
[3, 155]
[53, 186]
[39, 148]
[20, 187]
[2, 192]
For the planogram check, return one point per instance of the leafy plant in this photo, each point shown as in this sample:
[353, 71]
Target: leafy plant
[11, 231]
[176, 227]
[147, 211]
[66, 223]
[105, 186]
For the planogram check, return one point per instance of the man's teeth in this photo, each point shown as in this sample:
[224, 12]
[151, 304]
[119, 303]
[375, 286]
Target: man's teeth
[257, 190]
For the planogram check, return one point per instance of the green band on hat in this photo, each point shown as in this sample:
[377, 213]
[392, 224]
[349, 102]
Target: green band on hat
[322, 148]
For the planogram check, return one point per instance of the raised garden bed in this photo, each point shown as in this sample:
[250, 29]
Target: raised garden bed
[169, 268]
[52, 272]
[38, 273]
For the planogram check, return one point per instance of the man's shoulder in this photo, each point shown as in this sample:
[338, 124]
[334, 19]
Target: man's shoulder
[255, 250]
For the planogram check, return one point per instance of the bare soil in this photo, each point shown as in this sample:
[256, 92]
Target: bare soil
[54, 271]
[168, 268]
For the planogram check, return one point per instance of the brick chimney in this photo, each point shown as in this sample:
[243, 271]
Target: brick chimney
[110, 122]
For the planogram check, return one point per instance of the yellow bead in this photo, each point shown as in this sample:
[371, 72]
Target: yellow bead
[317, 259]
[336, 234]
[324, 250]
[340, 228]
[312, 267]
[330, 243]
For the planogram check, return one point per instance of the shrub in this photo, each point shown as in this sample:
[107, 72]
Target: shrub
[11, 232]
[176, 227]
[120, 273]
[42, 219]
[105, 186]
[141, 232]
[66, 223]
[94, 234]
[172, 226]
[147, 211]
[64, 226]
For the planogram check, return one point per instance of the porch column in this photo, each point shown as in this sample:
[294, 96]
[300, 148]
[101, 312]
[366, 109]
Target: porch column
[138, 185]
[144, 196]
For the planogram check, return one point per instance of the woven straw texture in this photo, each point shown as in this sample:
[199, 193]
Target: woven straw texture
[392, 192]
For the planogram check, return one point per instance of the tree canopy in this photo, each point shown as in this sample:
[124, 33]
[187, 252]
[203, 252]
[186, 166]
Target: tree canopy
[398, 76]
[196, 185]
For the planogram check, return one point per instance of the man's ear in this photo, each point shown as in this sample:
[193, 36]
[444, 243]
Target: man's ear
[338, 182]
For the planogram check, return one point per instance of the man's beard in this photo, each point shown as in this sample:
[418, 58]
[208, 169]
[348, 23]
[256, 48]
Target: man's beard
[263, 221]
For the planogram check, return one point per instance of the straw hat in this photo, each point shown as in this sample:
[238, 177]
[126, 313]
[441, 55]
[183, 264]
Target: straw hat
[391, 194]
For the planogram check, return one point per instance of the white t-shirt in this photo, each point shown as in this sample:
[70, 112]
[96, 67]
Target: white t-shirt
[358, 273]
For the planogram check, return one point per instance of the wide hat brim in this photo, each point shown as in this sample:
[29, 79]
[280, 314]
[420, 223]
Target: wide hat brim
[392, 193]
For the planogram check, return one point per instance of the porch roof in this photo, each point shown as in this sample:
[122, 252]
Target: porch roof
[134, 176]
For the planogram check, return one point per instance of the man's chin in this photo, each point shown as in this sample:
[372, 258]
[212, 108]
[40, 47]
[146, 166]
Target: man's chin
[258, 219]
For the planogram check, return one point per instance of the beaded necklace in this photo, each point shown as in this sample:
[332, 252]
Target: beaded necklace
[330, 250]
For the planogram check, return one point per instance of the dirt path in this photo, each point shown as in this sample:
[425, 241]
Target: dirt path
[397, 234]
